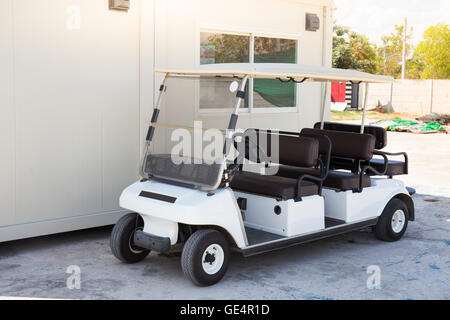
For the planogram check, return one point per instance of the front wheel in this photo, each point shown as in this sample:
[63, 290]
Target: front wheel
[122, 244]
[393, 221]
[205, 257]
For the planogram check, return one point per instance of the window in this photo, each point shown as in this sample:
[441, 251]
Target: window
[221, 48]
[231, 48]
[269, 93]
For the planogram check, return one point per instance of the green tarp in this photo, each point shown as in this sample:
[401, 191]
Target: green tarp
[410, 126]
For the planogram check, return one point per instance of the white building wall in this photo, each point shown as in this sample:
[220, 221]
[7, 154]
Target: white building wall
[178, 46]
[69, 112]
[75, 103]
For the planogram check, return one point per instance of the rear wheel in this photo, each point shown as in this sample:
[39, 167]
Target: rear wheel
[122, 244]
[393, 221]
[205, 257]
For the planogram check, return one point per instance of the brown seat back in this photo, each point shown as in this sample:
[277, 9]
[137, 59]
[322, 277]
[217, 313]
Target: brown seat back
[378, 132]
[292, 150]
[347, 144]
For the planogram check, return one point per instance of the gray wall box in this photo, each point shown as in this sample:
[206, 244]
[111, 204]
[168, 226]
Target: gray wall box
[119, 4]
[312, 22]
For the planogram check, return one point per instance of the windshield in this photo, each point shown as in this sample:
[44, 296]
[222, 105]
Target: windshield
[187, 146]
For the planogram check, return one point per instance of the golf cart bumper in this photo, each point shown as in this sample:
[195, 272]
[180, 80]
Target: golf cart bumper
[151, 242]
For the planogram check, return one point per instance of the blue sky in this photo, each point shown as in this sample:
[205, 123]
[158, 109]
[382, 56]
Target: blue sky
[375, 18]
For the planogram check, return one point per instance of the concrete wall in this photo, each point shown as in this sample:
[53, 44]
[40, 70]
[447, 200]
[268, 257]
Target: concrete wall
[413, 96]
[69, 110]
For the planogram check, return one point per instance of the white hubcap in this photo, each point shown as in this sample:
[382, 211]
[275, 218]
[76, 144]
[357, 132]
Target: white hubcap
[398, 221]
[212, 259]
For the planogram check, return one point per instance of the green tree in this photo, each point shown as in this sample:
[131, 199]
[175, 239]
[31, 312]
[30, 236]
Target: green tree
[432, 55]
[353, 51]
[390, 53]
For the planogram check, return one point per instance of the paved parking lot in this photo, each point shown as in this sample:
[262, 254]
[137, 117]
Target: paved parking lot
[417, 267]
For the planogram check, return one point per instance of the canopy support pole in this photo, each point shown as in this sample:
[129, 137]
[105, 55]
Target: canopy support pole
[151, 128]
[364, 107]
[239, 98]
[324, 104]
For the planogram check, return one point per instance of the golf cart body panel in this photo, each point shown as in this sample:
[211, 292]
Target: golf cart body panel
[191, 207]
[352, 206]
[285, 218]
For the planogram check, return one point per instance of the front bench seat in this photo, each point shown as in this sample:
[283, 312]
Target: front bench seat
[293, 151]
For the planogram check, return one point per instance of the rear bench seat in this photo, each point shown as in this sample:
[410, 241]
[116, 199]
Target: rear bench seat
[294, 151]
[394, 167]
[357, 147]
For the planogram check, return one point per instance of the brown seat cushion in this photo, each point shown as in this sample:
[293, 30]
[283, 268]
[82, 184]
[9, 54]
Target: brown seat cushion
[395, 168]
[336, 179]
[272, 186]
[344, 181]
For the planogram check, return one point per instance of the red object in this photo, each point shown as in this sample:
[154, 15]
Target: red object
[338, 92]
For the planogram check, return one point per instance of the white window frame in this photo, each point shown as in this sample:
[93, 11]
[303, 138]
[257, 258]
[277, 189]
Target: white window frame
[252, 34]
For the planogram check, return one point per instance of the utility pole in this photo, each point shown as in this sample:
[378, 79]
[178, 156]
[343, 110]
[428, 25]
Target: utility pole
[405, 31]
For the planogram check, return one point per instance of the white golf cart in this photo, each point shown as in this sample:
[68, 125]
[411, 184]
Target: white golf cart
[264, 190]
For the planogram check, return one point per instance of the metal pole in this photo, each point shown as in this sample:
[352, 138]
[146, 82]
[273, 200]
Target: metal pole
[404, 49]
[322, 120]
[366, 94]
[239, 99]
[162, 88]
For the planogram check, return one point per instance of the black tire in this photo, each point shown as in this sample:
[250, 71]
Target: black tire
[192, 256]
[384, 228]
[121, 241]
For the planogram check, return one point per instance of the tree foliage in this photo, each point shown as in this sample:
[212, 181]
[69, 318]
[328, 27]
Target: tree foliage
[353, 51]
[391, 52]
[432, 55]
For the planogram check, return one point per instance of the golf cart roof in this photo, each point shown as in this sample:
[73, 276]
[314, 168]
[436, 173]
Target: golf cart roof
[282, 71]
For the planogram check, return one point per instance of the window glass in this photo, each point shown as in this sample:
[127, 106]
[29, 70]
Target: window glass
[229, 48]
[221, 48]
[273, 93]
[216, 94]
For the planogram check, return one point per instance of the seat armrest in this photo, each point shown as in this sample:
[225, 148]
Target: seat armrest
[311, 178]
[395, 154]
[317, 180]
[386, 163]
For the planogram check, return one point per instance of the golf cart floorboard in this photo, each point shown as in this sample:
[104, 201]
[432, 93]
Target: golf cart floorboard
[330, 222]
[261, 241]
[255, 236]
